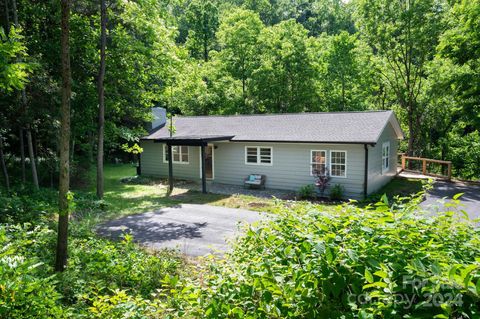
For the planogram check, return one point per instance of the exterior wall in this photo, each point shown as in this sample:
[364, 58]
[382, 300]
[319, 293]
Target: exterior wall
[152, 162]
[377, 179]
[290, 169]
[291, 166]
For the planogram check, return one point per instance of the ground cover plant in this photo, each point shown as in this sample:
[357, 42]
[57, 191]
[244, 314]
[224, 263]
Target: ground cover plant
[386, 260]
[383, 261]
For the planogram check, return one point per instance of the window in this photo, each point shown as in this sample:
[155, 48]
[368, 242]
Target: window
[179, 154]
[338, 163]
[257, 155]
[385, 157]
[318, 162]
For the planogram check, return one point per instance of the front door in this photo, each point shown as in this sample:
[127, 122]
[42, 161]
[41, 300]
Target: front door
[209, 162]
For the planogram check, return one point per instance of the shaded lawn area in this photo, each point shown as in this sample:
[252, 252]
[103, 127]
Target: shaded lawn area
[402, 187]
[151, 194]
[144, 194]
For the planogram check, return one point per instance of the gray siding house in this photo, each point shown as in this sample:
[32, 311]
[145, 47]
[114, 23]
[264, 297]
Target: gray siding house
[359, 149]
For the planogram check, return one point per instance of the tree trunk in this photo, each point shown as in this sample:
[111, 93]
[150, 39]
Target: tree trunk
[72, 150]
[23, 101]
[91, 146]
[410, 131]
[4, 166]
[7, 17]
[64, 144]
[101, 98]
[22, 155]
[15, 14]
[31, 155]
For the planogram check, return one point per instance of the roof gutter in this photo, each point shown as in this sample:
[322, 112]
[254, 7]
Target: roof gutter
[365, 176]
[301, 142]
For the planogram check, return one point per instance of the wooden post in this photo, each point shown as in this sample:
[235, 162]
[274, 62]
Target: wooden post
[170, 169]
[424, 167]
[449, 171]
[204, 178]
[403, 162]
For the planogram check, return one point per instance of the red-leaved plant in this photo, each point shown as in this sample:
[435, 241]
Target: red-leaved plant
[322, 177]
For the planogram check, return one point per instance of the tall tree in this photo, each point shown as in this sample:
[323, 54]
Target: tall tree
[23, 103]
[202, 20]
[345, 72]
[13, 75]
[238, 38]
[101, 97]
[284, 80]
[404, 34]
[21, 132]
[64, 144]
[4, 165]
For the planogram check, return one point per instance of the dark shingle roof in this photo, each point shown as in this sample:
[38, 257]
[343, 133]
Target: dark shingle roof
[331, 127]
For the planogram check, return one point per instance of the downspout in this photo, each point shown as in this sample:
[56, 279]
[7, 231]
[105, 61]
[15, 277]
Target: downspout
[365, 176]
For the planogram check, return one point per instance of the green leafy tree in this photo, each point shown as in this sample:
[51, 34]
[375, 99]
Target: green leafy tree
[206, 88]
[453, 91]
[202, 21]
[283, 81]
[460, 45]
[404, 35]
[238, 38]
[13, 72]
[346, 72]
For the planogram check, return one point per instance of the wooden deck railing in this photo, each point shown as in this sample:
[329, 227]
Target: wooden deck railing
[425, 161]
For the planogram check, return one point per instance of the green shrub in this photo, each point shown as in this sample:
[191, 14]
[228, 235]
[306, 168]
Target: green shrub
[27, 285]
[26, 205]
[98, 265]
[379, 262]
[306, 191]
[121, 305]
[337, 191]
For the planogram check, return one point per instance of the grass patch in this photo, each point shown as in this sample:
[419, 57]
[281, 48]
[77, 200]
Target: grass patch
[402, 187]
[398, 186]
[126, 194]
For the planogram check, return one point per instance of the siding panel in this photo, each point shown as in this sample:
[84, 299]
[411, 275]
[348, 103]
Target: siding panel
[291, 166]
[290, 169]
[377, 179]
[152, 162]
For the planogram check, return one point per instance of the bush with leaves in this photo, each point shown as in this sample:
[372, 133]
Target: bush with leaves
[104, 278]
[97, 266]
[306, 191]
[25, 205]
[337, 191]
[379, 262]
[27, 284]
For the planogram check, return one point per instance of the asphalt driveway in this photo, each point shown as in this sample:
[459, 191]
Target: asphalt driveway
[195, 230]
[470, 200]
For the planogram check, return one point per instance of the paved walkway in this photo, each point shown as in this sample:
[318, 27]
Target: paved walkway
[470, 200]
[195, 230]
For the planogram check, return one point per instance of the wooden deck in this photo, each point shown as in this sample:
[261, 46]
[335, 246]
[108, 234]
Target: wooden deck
[444, 173]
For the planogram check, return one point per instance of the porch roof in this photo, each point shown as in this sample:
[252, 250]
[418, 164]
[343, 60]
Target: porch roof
[193, 140]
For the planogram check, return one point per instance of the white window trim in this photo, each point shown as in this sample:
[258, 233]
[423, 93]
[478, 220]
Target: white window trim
[311, 163]
[258, 155]
[173, 161]
[330, 164]
[213, 162]
[386, 169]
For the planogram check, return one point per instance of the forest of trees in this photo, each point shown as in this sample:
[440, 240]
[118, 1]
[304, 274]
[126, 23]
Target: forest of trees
[420, 58]
[78, 80]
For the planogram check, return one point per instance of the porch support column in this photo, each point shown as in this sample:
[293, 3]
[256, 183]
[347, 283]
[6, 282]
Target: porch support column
[170, 169]
[204, 178]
